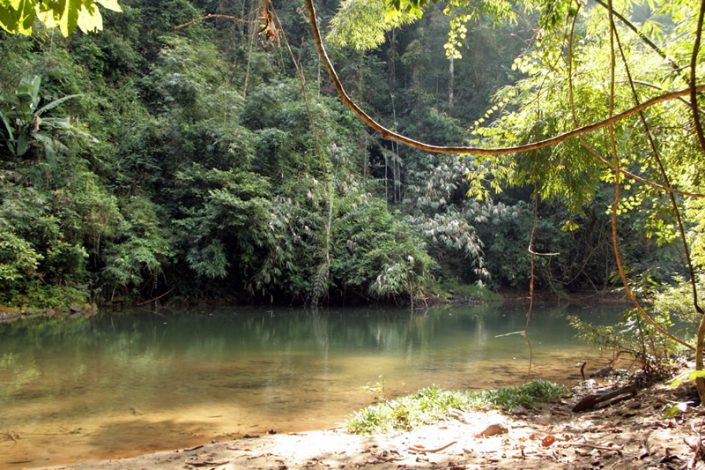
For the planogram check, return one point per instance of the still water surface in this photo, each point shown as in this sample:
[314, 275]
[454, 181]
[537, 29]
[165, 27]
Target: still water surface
[119, 385]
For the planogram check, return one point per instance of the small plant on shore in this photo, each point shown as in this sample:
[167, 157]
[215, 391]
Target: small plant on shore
[527, 395]
[376, 390]
[633, 337]
[433, 404]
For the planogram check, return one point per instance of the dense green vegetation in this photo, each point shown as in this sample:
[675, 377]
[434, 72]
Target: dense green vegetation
[433, 404]
[148, 160]
[185, 158]
[190, 162]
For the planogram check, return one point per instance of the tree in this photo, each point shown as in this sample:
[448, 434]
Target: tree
[547, 154]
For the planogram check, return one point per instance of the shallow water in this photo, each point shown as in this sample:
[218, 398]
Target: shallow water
[120, 385]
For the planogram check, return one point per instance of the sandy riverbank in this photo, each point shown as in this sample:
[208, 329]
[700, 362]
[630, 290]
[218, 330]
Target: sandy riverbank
[632, 434]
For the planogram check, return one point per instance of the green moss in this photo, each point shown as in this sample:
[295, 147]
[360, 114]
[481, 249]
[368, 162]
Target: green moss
[433, 404]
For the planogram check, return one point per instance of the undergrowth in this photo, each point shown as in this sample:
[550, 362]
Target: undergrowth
[449, 290]
[433, 404]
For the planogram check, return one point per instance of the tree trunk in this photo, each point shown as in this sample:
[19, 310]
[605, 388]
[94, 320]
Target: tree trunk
[451, 80]
[699, 346]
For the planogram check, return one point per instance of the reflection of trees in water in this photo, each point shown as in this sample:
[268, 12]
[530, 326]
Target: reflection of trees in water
[287, 362]
[146, 349]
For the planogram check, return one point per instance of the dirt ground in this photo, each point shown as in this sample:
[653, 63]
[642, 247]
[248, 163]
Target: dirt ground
[631, 434]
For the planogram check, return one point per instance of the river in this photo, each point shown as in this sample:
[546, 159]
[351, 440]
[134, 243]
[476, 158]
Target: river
[123, 384]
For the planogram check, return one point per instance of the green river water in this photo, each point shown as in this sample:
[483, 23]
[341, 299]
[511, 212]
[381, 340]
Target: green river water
[120, 385]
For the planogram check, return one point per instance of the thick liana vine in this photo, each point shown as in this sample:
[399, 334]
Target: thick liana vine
[608, 123]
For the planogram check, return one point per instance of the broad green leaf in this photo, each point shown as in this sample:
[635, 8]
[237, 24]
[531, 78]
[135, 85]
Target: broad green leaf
[28, 93]
[56, 103]
[17, 16]
[22, 145]
[110, 5]
[69, 17]
[8, 128]
[89, 18]
[47, 14]
[677, 409]
[697, 374]
[686, 376]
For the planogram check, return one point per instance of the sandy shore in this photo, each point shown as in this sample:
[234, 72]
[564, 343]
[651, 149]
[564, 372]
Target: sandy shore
[632, 434]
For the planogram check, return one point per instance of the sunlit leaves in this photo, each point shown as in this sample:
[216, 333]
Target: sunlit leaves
[414, 7]
[362, 24]
[110, 5]
[19, 16]
[18, 257]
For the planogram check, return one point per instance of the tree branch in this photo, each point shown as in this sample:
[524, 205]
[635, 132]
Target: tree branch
[462, 150]
[676, 68]
[664, 174]
[693, 77]
[615, 205]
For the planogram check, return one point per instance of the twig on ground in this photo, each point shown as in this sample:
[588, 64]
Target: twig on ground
[421, 450]
[206, 463]
[617, 449]
[191, 449]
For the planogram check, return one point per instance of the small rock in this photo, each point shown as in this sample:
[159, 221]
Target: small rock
[519, 410]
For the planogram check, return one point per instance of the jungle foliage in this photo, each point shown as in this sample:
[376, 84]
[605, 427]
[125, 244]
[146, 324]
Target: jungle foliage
[168, 155]
[147, 160]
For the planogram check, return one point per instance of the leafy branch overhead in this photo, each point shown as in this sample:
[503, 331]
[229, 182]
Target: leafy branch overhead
[20, 16]
[477, 150]
[537, 134]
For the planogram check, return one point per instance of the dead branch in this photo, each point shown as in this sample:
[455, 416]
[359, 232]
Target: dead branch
[207, 463]
[155, 298]
[191, 449]
[603, 400]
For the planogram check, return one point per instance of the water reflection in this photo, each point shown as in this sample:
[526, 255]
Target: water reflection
[115, 385]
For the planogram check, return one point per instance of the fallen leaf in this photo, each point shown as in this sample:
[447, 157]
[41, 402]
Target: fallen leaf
[493, 430]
